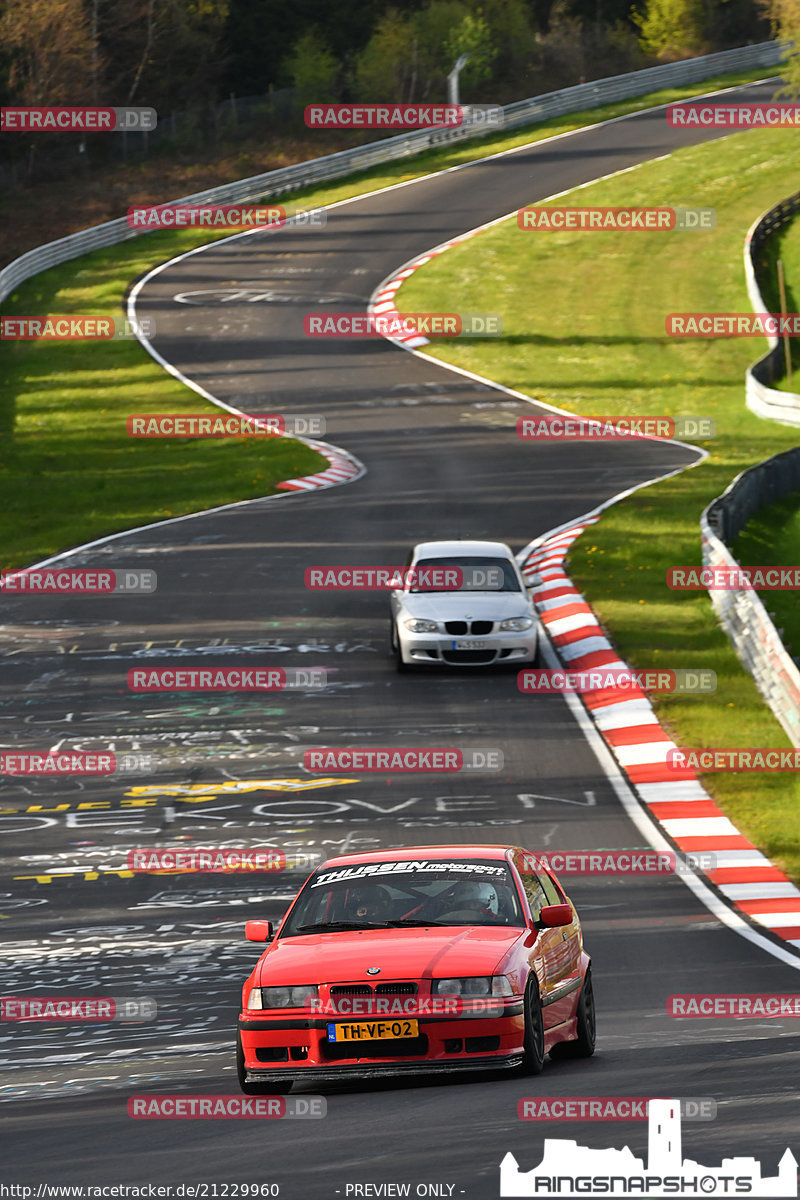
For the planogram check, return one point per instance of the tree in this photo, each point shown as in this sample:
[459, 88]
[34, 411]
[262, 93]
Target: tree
[50, 51]
[386, 67]
[164, 53]
[312, 69]
[471, 36]
[785, 18]
[672, 29]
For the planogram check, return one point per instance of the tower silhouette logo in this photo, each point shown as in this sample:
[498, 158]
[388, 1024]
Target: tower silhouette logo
[568, 1170]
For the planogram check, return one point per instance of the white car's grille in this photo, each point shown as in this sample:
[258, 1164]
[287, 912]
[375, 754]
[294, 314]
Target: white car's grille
[477, 628]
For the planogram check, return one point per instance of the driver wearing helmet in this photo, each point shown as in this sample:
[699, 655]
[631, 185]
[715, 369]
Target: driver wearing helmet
[368, 903]
[479, 897]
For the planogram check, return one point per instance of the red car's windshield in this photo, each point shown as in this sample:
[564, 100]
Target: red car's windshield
[394, 894]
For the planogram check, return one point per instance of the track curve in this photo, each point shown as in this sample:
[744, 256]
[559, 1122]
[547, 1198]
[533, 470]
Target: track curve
[231, 589]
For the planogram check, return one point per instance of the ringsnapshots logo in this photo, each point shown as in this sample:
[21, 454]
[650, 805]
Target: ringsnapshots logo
[732, 325]
[75, 328]
[615, 862]
[191, 860]
[570, 1170]
[227, 679]
[60, 763]
[54, 1009]
[421, 578]
[77, 582]
[402, 758]
[733, 760]
[552, 427]
[72, 119]
[605, 217]
[224, 425]
[608, 1108]
[402, 116]
[733, 579]
[402, 325]
[680, 681]
[732, 116]
[181, 1107]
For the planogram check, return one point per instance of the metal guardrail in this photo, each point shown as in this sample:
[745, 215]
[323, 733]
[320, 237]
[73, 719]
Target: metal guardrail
[742, 613]
[345, 162]
[760, 397]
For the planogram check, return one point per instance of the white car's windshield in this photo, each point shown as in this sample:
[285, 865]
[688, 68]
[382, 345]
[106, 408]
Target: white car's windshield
[476, 574]
[394, 894]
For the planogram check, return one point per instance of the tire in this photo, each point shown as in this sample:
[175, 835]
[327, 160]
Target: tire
[257, 1089]
[400, 666]
[534, 1030]
[584, 1043]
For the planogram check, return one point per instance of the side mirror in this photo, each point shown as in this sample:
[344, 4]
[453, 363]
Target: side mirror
[259, 931]
[552, 916]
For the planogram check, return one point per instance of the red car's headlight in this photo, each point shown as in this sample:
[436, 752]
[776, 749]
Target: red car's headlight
[299, 996]
[472, 985]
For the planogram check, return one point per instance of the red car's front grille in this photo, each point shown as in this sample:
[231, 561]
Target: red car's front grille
[403, 988]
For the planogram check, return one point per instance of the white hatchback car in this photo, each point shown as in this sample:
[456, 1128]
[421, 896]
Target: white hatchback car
[486, 617]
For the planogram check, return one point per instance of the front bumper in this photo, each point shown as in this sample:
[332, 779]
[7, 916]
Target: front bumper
[442, 649]
[373, 1070]
[285, 1047]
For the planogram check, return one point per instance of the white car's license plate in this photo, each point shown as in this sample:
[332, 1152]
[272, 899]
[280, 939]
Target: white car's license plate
[468, 644]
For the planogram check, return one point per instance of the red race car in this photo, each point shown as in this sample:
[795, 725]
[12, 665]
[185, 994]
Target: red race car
[420, 960]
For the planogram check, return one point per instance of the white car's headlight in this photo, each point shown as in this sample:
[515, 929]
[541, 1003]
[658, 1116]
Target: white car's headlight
[418, 625]
[515, 624]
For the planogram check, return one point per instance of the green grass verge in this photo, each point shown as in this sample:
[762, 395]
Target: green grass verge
[590, 337]
[784, 245]
[772, 537]
[69, 473]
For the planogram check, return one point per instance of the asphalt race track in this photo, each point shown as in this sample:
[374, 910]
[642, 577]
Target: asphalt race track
[442, 460]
